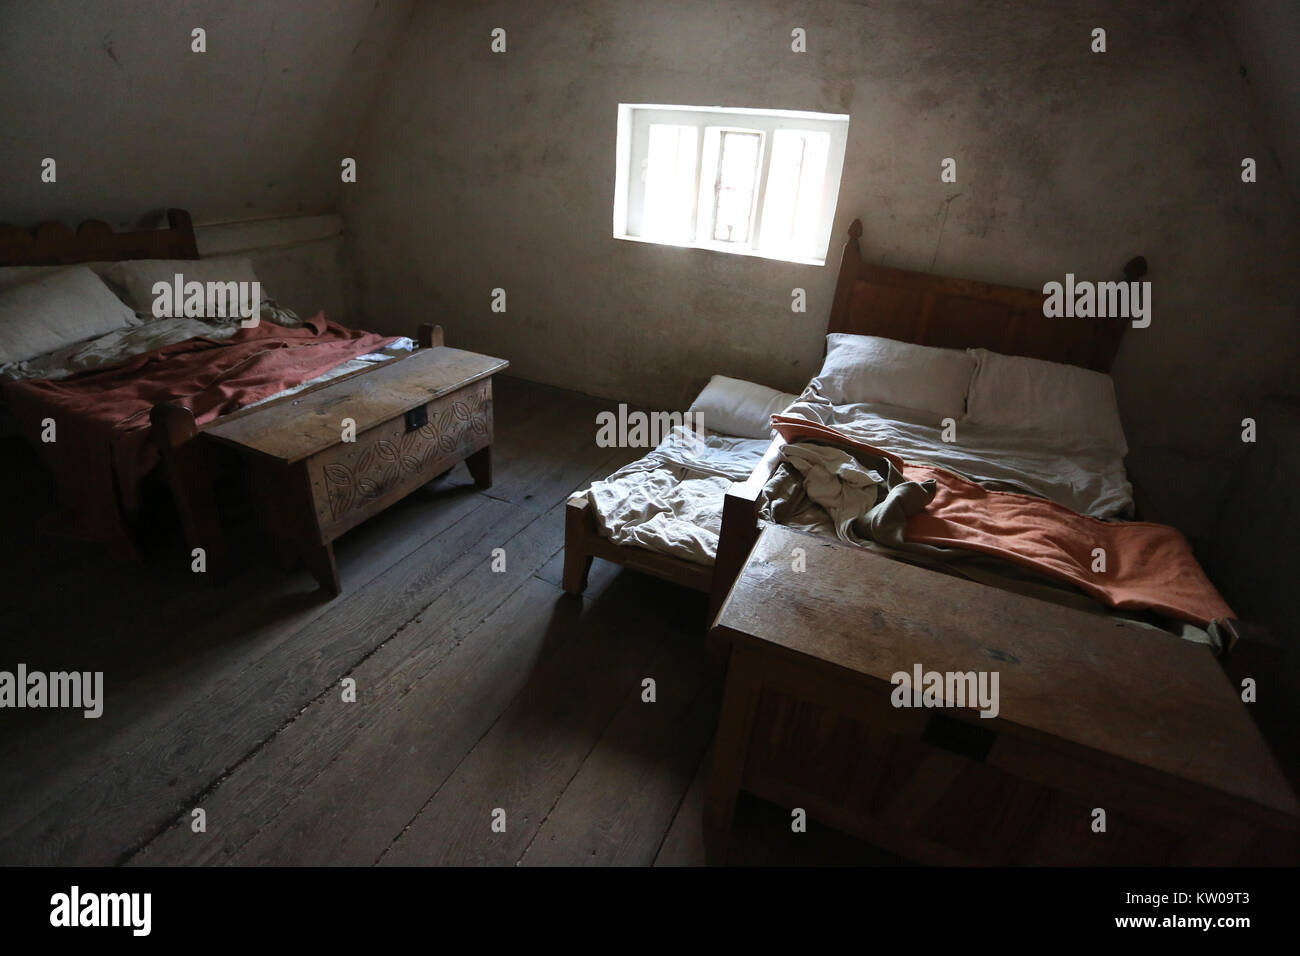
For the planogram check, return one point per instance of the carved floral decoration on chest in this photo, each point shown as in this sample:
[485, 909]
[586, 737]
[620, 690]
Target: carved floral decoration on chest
[388, 456]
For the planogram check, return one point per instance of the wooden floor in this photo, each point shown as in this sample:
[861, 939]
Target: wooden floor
[477, 691]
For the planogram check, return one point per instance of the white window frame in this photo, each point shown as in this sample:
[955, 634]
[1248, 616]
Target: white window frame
[632, 149]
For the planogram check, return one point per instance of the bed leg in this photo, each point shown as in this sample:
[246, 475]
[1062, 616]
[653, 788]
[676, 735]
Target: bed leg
[577, 562]
[187, 473]
[264, 482]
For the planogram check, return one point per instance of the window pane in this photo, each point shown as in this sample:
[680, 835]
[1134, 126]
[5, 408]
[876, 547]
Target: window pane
[796, 178]
[699, 176]
[734, 188]
[670, 183]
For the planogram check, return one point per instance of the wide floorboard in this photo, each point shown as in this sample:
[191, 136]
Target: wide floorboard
[452, 706]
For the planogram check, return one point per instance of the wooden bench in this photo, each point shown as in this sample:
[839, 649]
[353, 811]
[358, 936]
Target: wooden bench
[323, 462]
[1093, 714]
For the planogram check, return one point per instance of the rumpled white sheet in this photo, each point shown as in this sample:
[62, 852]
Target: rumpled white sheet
[116, 346]
[1077, 471]
[670, 501]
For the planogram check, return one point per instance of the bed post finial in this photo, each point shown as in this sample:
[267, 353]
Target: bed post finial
[179, 222]
[850, 262]
[429, 336]
[173, 424]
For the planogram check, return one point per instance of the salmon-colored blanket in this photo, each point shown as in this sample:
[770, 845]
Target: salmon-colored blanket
[102, 451]
[1147, 566]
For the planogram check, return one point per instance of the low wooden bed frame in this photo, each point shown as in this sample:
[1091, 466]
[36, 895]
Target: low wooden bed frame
[899, 304]
[186, 463]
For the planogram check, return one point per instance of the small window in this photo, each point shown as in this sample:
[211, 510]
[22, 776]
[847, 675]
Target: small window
[754, 182]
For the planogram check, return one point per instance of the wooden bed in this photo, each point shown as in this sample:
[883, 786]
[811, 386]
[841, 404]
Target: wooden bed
[927, 310]
[188, 465]
[916, 307]
[816, 742]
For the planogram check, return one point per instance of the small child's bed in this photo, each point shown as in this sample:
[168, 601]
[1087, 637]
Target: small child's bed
[662, 513]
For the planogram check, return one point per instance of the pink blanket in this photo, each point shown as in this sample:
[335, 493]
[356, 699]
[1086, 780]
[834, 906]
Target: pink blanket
[103, 451]
[1146, 566]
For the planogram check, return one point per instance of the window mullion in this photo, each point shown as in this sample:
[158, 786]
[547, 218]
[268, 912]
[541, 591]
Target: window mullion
[700, 129]
[760, 192]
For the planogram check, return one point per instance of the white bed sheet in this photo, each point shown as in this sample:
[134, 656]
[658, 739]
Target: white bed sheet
[1083, 473]
[670, 501]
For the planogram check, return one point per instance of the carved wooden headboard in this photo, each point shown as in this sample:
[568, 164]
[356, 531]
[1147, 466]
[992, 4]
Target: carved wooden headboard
[960, 313]
[53, 243]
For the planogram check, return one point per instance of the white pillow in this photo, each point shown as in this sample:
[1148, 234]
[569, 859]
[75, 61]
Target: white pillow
[134, 279]
[1011, 391]
[868, 368]
[47, 313]
[12, 275]
[739, 408]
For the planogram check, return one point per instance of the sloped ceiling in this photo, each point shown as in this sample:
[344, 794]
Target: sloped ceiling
[136, 120]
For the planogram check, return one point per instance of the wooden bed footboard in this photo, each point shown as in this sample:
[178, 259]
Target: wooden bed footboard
[583, 542]
[740, 526]
[187, 470]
